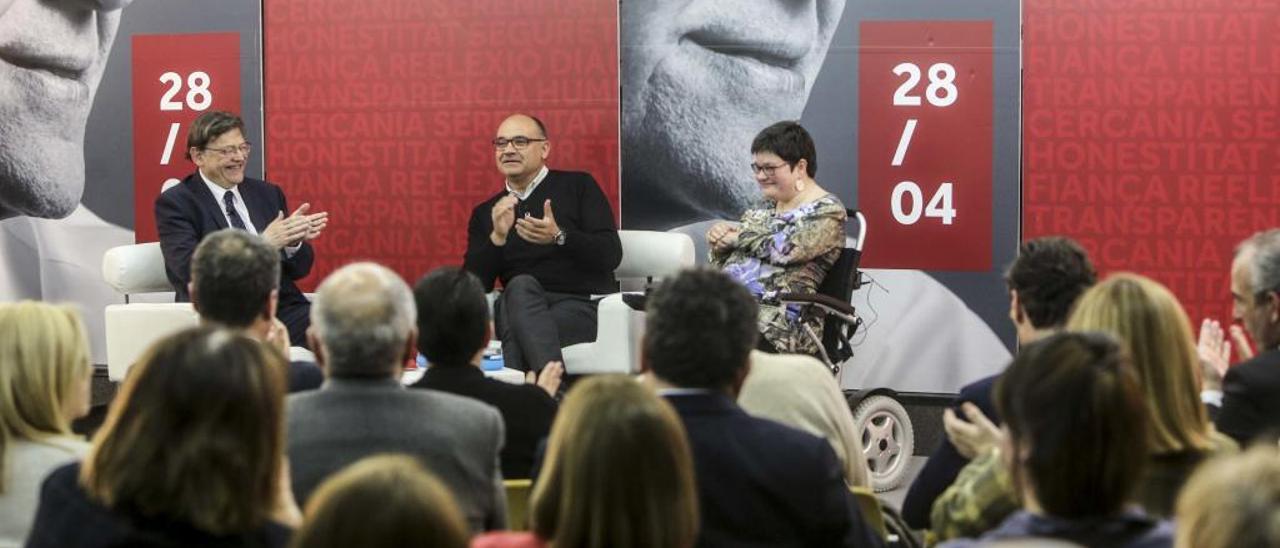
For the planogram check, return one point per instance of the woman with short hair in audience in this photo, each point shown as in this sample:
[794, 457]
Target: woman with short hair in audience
[1075, 445]
[1150, 323]
[800, 392]
[619, 473]
[383, 500]
[190, 454]
[1232, 501]
[44, 385]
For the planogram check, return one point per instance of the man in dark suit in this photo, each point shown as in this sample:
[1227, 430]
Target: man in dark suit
[551, 238]
[235, 278]
[217, 196]
[363, 332]
[1045, 279]
[453, 332]
[1251, 390]
[759, 483]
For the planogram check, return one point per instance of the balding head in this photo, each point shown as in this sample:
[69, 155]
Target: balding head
[521, 165]
[363, 322]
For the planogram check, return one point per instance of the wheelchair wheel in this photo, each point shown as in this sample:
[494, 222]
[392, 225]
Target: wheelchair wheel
[888, 441]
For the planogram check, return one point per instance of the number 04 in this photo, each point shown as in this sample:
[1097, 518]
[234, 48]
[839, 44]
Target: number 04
[908, 194]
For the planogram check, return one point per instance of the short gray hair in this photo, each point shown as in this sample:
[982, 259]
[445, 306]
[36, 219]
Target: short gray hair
[363, 315]
[1264, 267]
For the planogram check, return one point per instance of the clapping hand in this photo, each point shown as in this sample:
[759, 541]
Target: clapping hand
[539, 231]
[288, 231]
[504, 217]
[548, 379]
[974, 436]
[722, 236]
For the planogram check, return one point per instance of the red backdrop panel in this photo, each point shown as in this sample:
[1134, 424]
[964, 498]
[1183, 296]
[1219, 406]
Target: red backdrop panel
[381, 113]
[176, 77]
[1151, 134]
[925, 139]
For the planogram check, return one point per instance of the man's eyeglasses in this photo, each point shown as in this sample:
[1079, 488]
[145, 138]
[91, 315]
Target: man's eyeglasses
[520, 142]
[766, 169]
[229, 151]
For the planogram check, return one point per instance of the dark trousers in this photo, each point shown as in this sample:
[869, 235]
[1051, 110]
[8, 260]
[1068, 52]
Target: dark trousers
[296, 316]
[534, 324]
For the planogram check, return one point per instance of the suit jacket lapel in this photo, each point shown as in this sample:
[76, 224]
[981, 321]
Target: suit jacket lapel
[262, 207]
[209, 206]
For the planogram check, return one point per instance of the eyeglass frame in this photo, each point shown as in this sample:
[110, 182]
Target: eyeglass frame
[226, 152]
[768, 170]
[500, 143]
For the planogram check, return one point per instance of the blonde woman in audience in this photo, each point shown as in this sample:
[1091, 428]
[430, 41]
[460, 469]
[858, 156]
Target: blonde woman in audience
[1147, 317]
[619, 473]
[44, 385]
[1151, 324]
[413, 508]
[1232, 501]
[190, 454]
[800, 392]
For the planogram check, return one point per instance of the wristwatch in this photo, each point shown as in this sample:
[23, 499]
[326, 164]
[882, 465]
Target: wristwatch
[559, 237]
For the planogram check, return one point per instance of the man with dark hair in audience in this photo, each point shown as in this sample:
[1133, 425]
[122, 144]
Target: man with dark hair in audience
[1251, 389]
[759, 483]
[1044, 281]
[363, 332]
[235, 282]
[453, 332]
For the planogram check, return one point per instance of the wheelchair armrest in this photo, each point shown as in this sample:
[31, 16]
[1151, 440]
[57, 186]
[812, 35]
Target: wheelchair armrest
[837, 307]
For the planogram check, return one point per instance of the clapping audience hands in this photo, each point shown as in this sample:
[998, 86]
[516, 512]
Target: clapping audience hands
[549, 379]
[974, 436]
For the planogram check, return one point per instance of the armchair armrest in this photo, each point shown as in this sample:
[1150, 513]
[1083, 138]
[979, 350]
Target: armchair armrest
[827, 302]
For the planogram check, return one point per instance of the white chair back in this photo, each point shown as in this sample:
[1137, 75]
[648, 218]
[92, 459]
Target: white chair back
[137, 268]
[649, 254]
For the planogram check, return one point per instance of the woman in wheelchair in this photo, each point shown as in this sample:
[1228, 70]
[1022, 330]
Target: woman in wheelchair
[787, 242]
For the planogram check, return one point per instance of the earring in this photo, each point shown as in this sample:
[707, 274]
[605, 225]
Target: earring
[800, 184]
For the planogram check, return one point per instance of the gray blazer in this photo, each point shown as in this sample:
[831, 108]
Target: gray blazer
[457, 438]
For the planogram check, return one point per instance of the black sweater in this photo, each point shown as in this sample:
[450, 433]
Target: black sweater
[583, 265]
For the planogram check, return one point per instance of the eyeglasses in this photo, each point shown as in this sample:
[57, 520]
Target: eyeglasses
[229, 151]
[520, 142]
[766, 169]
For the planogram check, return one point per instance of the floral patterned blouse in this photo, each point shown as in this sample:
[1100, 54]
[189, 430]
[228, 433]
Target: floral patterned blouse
[787, 252]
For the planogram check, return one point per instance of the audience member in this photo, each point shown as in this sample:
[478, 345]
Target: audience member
[1148, 321]
[1076, 429]
[190, 454]
[1232, 501]
[219, 195]
[44, 385]
[1251, 390]
[453, 332]
[235, 281]
[1044, 281]
[363, 332]
[413, 508]
[551, 238]
[800, 392]
[785, 243]
[759, 482]
[618, 474]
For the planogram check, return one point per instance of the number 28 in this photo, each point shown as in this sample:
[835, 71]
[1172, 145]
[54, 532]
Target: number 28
[941, 91]
[198, 96]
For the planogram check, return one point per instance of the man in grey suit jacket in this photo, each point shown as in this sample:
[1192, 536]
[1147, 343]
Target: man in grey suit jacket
[363, 330]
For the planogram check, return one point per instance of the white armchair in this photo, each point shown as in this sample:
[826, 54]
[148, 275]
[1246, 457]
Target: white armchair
[132, 327]
[646, 256]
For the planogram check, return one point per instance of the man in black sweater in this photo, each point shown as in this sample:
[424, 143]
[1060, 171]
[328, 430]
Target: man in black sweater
[551, 238]
[453, 331]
